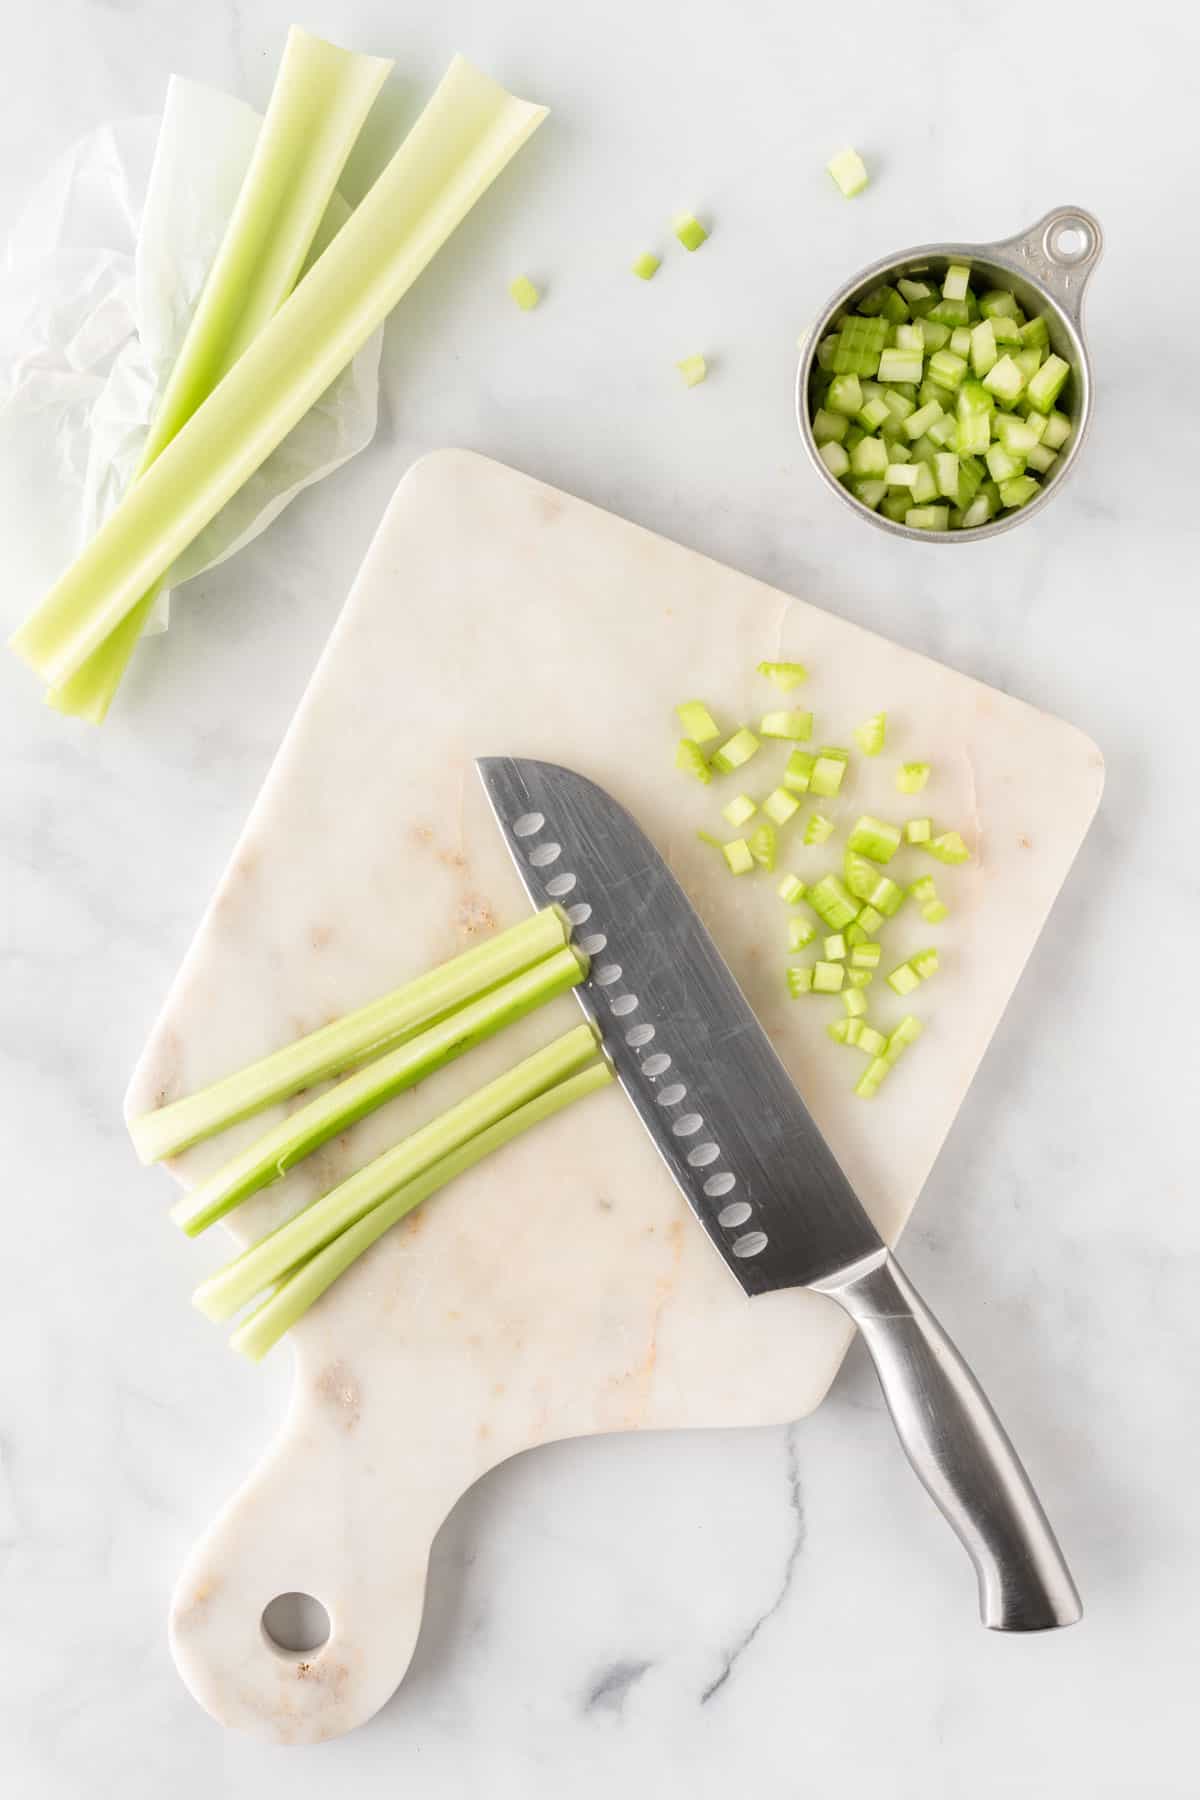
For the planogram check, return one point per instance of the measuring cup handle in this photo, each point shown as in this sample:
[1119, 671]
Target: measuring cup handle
[1060, 251]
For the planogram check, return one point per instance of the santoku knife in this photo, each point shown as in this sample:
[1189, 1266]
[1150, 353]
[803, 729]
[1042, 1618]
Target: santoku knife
[727, 1121]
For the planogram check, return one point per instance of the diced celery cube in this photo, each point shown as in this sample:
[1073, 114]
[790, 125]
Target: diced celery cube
[1005, 330]
[818, 829]
[784, 675]
[957, 281]
[829, 428]
[978, 513]
[928, 518]
[924, 963]
[835, 948]
[899, 405]
[1048, 383]
[739, 809]
[839, 1029]
[917, 831]
[849, 171]
[872, 414]
[947, 468]
[791, 890]
[826, 351]
[693, 369]
[833, 905]
[801, 933]
[855, 934]
[1029, 362]
[865, 956]
[738, 856]
[1003, 464]
[914, 290]
[868, 491]
[1035, 333]
[920, 421]
[797, 774]
[524, 293]
[952, 313]
[869, 919]
[698, 723]
[972, 435]
[1041, 459]
[646, 266]
[828, 771]
[911, 778]
[948, 847]
[845, 395]
[763, 844]
[998, 303]
[936, 335]
[1018, 491]
[1014, 433]
[690, 758]
[854, 1001]
[983, 348]
[947, 369]
[887, 896]
[689, 231]
[872, 1041]
[869, 458]
[736, 751]
[871, 734]
[899, 474]
[780, 806]
[791, 723]
[1005, 380]
[895, 506]
[828, 978]
[904, 979]
[874, 838]
[835, 460]
[943, 432]
[1058, 430]
[908, 337]
[960, 342]
[934, 911]
[799, 982]
[900, 365]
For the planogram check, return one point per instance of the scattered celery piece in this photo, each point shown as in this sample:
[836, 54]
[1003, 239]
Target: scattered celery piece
[764, 844]
[924, 963]
[831, 903]
[835, 948]
[860, 875]
[960, 342]
[911, 778]
[854, 1001]
[829, 427]
[524, 293]
[706, 837]
[791, 890]
[835, 460]
[998, 303]
[839, 1029]
[698, 723]
[794, 725]
[874, 838]
[984, 354]
[690, 758]
[923, 889]
[739, 809]
[785, 675]
[956, 282]
[919, 422]
[978, 513]
[855, 935]
[872, 1041]
[646, 266]
[1003, 465]
[869, 918]
[865, 956]
[798, 773]
[828, 978]
[896, 507]
[904, 979]
[800, 934]
[907, 1032]
[1018, 490]
[799, 982]
[869, 1084]
[738, 856]
[915, 291]
[871, 734]
[869, 492]
[869, 459]
[934, 911]
[689, 231]
[925, 487]
[693, 369]
[849, 172]
[736, 751]
[1040, 459]
[818, 829]
[947, 370]
[886, 897]
[827, 772]
[948, 847]
[780, 806]
[860, 978]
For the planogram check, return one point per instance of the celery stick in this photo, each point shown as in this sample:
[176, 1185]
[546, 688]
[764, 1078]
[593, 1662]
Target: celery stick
[334, 1111]
[296, 1293]
[468, 132]
[318, 105]
[372, 1029]
[319, 1223]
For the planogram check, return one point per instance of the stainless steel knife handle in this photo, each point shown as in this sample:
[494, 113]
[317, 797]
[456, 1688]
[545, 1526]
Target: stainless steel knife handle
[959, 1450]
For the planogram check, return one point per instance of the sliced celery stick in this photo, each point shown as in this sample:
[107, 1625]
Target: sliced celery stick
[997, 303]
[799, 982]
[910, 779]
[829, 427]
[845, 395]
[828, 978]
[341, 1106]
[948, 847]
[1041, 459]
[801, 933]
[928, 518]
[869, 492]
[736, 751]
[872, 1041]
[854, 1001]
[370, 1031]
[693, 369]
[698, 723]
[739, 809]
[791, 890]
[738, 856]
[859, 874]
[646, 266]
[1005, 380]
[835, 460]
[849, 171]
[904, 979]
[874, 838]
[900, 365]
[827, 771]
[780, 806]
[300, 1290]
[1003, 464]
[321, 1222]
[925, 487]
[833, 905]
[524, 293]
[834, 949]
[763, 844]
[869, 919]
[1018, 490]
[818, 828]
[690, 759]
[794, 725]
[960, 342]
[870, 735]
[798, 771]
[1058, 430]
[917, 831]
[956, 282]
[468, 132]
[902, 475]
[921, 420]
[785, 675]
[869, 458]
[1048, 383]
[689, 231]
[865, 956]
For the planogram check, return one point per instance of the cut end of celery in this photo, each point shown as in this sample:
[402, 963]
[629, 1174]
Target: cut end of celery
[689, 231]
[646, 266]
[849, 172]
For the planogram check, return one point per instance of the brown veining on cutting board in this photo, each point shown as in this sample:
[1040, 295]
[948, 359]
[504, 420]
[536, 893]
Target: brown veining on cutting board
[338, 1387]
[188, 1612]
[321, 936]
[475, 914]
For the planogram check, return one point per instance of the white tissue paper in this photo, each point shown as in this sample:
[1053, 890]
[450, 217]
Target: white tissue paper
[100, 278]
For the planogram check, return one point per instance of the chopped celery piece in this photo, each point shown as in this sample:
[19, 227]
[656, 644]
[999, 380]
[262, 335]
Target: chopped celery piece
[818, 829]
[872, 334]
[920, 421]
[907, 1032]
[828, 978]
[947, 369]
[870, 735]
[934, 911]
[851, 356]
[791, 890]
[896, 506]
[736, 751]
[829, 427]
[874, 838]
[839, 1029]
[690, 758]
[869, 458]
[923, 889]
[997, 303]
[925, 487]
[800, 934]
[910, 779]
[948, 847]
[524, 293]
[960, 342]
[1004, 465]
[935, 334]
[887, 301]
[845, 395]
[868, 918]
[902, 475]
[872, 413]
[869, 1084]
[956, 282]
[900, 365]
[908, 337]
[860, 978]
[826, 350]
[899, 450]
[780, 806]
[924, 450]
[1041, 459]
[854, 1001]
[1014, 433]
[827, 772]
[951, 312]
[917, 831]
[855, 935]
[831, 902]
[871, 1041]
[849, 171]
[693, 369]
[924, 963]
[944, 432]
[738, 856]
[984, 354]
[1018, 490]
[646, 266]
[1058, 430]
[860, 875]
[835, 948]
[339, 1107]
[886, 896]
[914, 290]
[978, 513]
[297, 1292]
[1048, 383]
[706, 837]
[793, 725]
[904, 979]
[369, 1032]
[763, 845]
[798, 771]
[785, 675]
[946, 468]
[799, 982]
[865, 956]
[1029, 362]
[835, 460]
[928, 518]
[869, 492]
[1005, 380]
[467, 134]
[689, 231]
[899, 405]
[698, 723]
[1005, 330]
[1035, 333]
[739, 809]
[321, 1222]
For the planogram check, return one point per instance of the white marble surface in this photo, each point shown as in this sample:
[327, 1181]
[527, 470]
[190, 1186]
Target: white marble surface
[693, 1614]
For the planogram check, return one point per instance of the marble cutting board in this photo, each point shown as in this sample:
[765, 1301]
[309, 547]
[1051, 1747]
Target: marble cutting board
[560, 1290]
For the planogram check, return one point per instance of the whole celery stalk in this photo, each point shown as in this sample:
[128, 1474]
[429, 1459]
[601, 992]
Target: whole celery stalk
[299, 1290]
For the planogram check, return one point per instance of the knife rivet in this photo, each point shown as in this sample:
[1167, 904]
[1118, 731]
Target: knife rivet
[593, 945]
[542, 854]
[625, 1003]
[606, 974]
[736, 1213]
[560, 884]
[687, 1125]
[637, 1035]
[658, 1064]
[528, 823]
[579, 914]
[716, 1185]
[671, 1096]
[702, 1155]
[749, 1244]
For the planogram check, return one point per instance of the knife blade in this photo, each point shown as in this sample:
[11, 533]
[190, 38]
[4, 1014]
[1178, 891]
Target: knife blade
[725, 1117]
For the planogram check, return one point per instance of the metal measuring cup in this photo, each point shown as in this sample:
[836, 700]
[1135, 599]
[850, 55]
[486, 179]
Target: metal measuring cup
[1047, 268]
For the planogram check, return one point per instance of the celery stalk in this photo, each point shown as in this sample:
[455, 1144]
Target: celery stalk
[321, 1222]
[377, 1027]
[468, 132]
[304, 1131]
[318, 105]
[297, 1292]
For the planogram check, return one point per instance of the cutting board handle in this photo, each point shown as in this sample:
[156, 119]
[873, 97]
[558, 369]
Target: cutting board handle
[959, 1450]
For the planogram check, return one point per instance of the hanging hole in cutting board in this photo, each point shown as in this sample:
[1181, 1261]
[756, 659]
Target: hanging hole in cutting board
[296, 1624]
